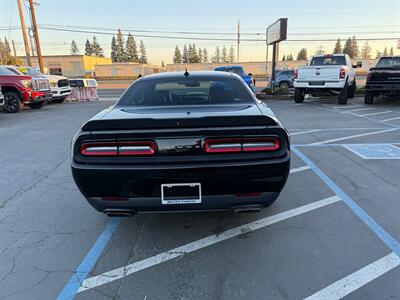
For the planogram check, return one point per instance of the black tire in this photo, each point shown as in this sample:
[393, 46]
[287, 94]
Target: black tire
[36, 105]
[284, 85]
[368, 99]
[299, 95]
[12, 103]
[344, 95]
[58, 100]
[352, 90]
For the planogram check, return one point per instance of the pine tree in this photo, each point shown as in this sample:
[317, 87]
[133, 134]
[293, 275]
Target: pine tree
[88, 48]
[289, 57]
[224, 55]
[391, 51]
[97, 50]
[366, 51]
[195, 55]
[120, 50]
[302, 55]
[114, 49]
[205, 56]
[354, 47]
[378, 54]
[217, 55]
[177, 59]
[74, 48]
[2, 58]
[283, 58]
[348, 48]
[200, 55]
[8, 58]
[143, 55]
[163, 64]
[190, 53]
[185, 55]
[338, 47]
[231, 57]
[385, 52]
[131, 49]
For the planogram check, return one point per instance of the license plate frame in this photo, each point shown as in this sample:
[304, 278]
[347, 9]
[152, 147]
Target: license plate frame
[166, 199]
[317, 83]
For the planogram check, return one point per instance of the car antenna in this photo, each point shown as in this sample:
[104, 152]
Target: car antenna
[186, 73]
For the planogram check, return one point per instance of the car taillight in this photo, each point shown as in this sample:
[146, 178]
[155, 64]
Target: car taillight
[342, 73]
[99, 149]
[223, 145]
[296, 74]
[136, 148]
[369, 76]
[121, 148]
[234, 145]
[261, 144]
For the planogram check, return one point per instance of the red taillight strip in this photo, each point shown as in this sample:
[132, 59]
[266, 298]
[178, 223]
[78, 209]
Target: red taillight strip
[261, 144]
[99, 149]
[121, 148]
[342, 73]
[136, 148]
[223, 145]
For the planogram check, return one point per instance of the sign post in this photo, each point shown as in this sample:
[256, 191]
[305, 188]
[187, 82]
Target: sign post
[276, 32]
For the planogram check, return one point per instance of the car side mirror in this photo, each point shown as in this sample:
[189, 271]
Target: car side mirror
[358, 65]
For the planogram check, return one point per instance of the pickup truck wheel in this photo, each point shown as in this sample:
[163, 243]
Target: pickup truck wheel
[284, 85]
[299, 95]
[368, 99]
[344, 95]
[12, 103]
[58, 100]
[36, 105]
[352, 90]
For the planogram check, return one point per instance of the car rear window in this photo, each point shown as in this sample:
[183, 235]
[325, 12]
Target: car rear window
[389, 62]
[186, 91]
[328, 61]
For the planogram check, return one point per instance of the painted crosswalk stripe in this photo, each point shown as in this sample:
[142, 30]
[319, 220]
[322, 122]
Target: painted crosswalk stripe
[358, 279]
[122, 272]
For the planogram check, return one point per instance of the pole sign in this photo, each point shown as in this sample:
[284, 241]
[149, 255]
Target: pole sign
[277, 31]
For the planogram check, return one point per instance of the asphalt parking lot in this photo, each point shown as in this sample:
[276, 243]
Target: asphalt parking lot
[334, 232]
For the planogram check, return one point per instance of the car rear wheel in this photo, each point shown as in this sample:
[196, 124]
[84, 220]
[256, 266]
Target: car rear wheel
[352, 90]
[36, 105]
[299, 95]
[12, 102]
[343, 96]
[368, 99]
[59, 100]
[284, 85]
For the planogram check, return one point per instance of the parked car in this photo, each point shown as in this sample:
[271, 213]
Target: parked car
[60, 88]
[19, 90]
[39, 80]
[384, 79]
[1, 98]
[284, 78]
[182, 142]
[326, 74]
[238, 70]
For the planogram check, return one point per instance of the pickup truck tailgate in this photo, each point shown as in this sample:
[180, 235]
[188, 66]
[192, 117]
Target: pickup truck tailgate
[323, 73]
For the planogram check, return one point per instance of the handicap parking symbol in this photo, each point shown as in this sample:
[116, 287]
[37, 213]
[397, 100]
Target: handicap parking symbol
[375, 151]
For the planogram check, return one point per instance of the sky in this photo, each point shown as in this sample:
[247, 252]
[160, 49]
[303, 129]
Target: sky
[307, 19]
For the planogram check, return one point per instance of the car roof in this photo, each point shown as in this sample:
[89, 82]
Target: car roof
[191, 73]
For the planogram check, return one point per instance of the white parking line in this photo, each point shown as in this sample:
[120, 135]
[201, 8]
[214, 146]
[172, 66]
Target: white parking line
[356, 280]
[299, 169]
[354, 136]
[308, 131]
[122, 272]
[360, 109]
[376, 113]
[391, 119]
[348, 106]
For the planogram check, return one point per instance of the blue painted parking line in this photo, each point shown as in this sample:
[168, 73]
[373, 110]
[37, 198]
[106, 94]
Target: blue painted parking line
[71, 288]
[374, 151]
[384, 236]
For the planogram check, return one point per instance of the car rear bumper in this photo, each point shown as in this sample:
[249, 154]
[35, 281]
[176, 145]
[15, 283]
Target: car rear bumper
[59, 92]
[139, 189]
[314, 84]
[390, 89]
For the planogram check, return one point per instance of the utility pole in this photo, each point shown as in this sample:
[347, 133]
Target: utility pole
[238, 41]
[15, 52]
[21, 16]
[35, 31]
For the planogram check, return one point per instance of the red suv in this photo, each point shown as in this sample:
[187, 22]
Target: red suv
[18, 91]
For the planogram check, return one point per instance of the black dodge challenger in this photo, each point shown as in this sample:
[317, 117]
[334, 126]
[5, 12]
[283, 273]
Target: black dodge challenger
[182, 142]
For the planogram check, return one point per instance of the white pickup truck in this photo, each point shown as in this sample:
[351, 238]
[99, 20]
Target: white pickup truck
[326, 74]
